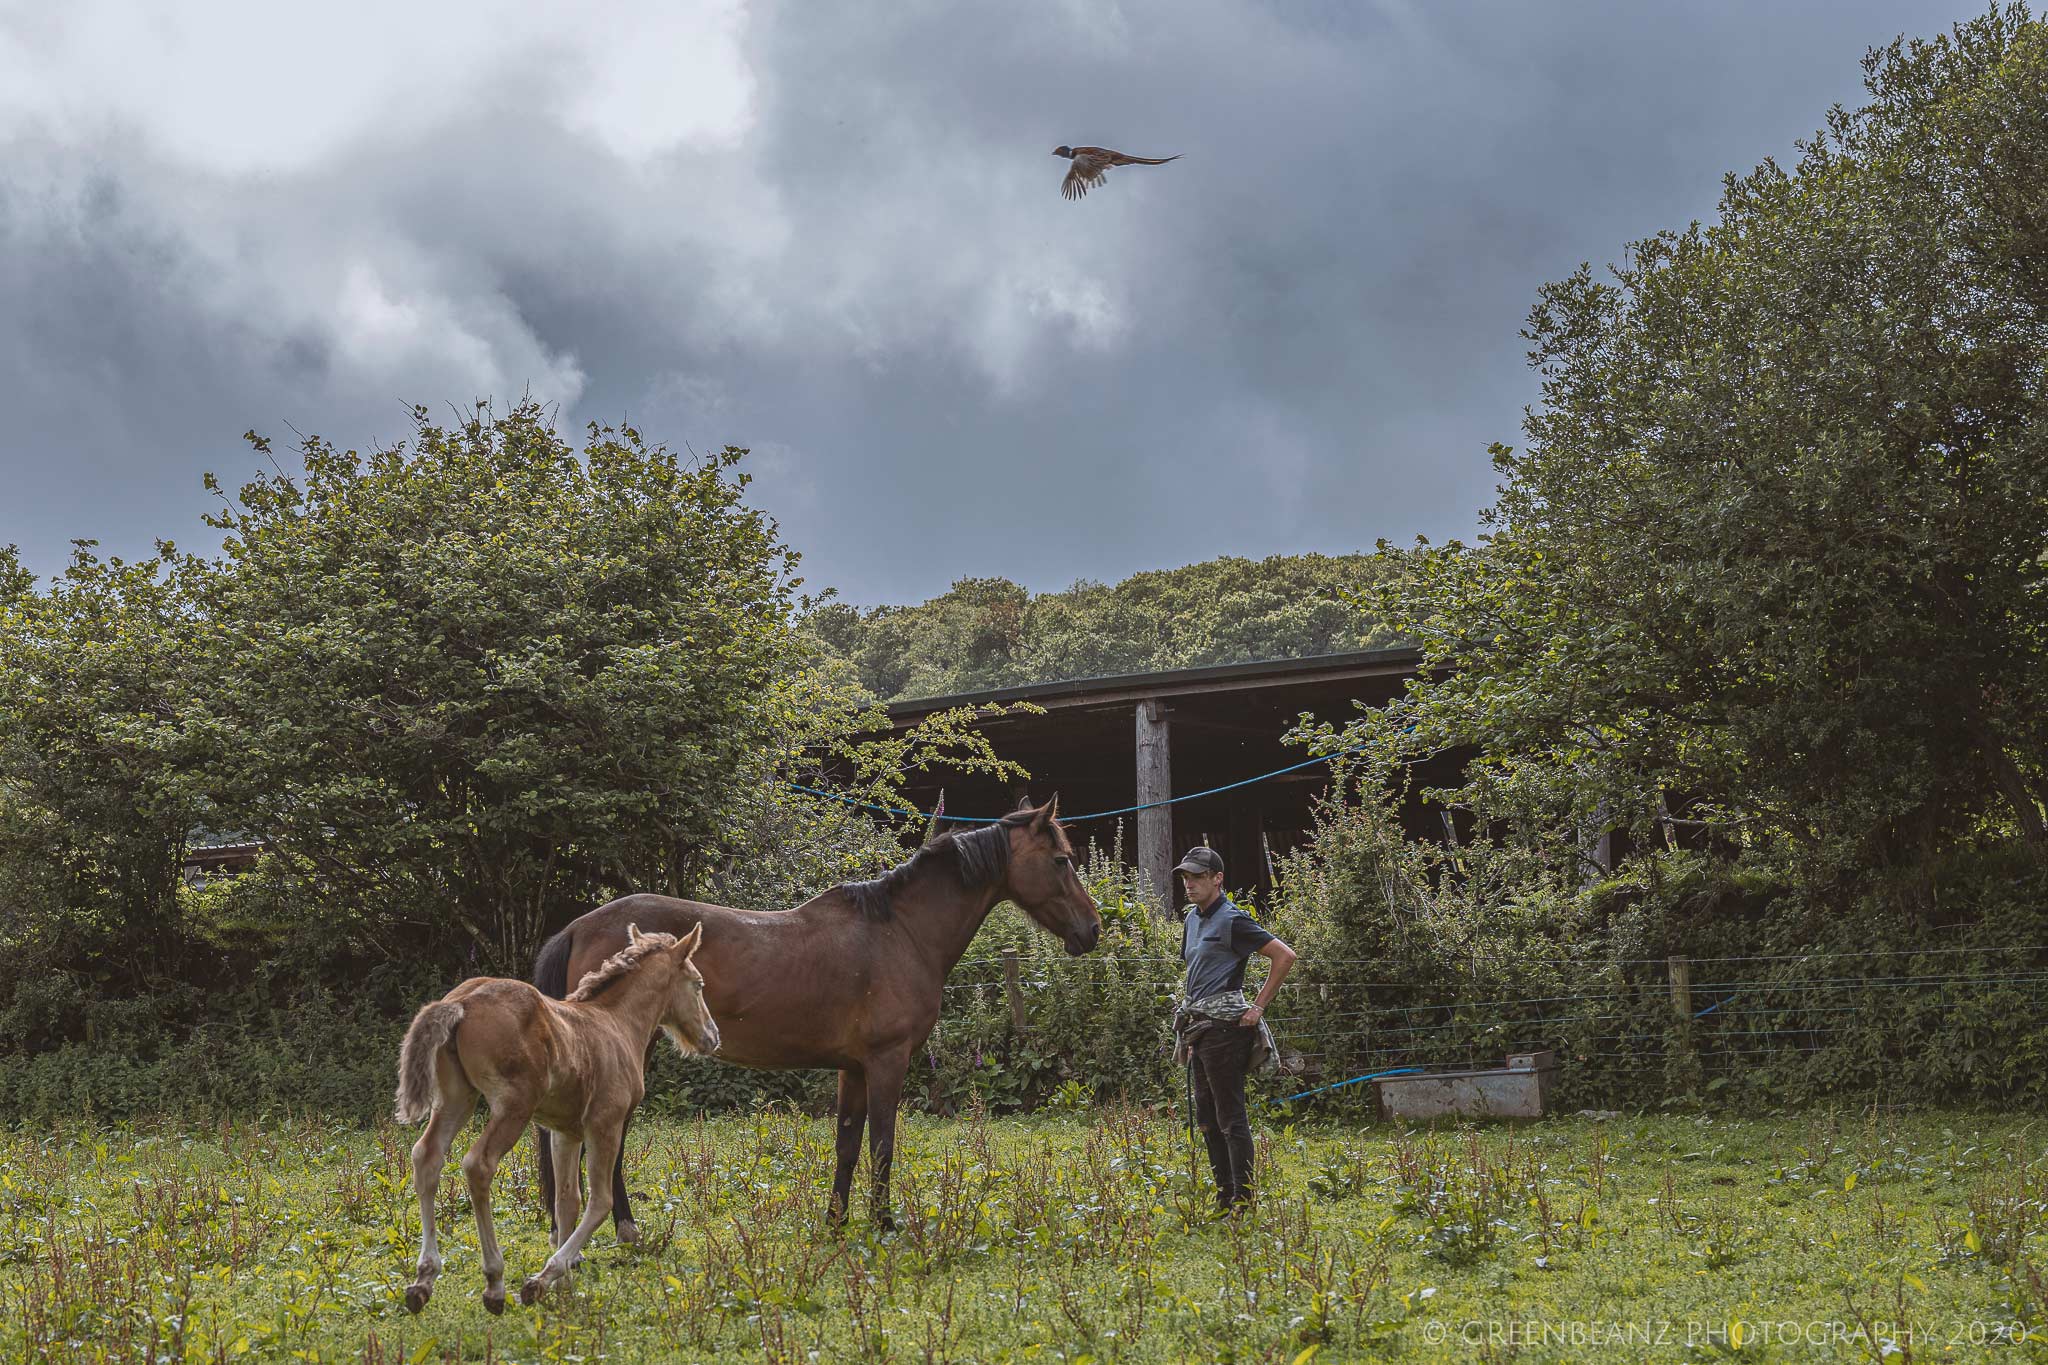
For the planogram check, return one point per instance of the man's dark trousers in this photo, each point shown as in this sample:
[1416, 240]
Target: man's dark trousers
[1222, 1055]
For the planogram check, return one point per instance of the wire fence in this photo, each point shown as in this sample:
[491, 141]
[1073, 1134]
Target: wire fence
[1931, 1023]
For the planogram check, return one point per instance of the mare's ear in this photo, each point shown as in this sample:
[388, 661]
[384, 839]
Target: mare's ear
[1043, 818]
[632, 933]
[692, 939]
[1023, 802]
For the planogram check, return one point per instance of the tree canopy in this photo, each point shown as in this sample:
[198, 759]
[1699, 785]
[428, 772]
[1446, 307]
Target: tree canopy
[483, 675]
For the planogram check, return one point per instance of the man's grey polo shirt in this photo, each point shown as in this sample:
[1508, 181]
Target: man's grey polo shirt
[1215, 944]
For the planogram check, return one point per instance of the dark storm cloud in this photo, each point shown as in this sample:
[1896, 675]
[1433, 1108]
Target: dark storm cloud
[853, 257]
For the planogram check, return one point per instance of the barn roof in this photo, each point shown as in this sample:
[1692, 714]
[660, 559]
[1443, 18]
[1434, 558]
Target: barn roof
[1118, 688]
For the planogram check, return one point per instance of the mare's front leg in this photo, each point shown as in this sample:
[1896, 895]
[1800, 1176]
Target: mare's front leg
[568, 1205]
[604, 1150]
[452, 1108]
[544, 1162]
[885, 1093]
[852, 1116]
[500, 1135]
[622, 1210]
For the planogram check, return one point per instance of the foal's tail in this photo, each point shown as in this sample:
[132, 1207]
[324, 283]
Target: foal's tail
[431, 1030]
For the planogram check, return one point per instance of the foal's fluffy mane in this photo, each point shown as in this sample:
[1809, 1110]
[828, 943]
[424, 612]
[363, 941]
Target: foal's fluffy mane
[620, 963]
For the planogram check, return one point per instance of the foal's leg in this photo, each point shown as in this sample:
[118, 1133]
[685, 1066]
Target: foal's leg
[479, 1165]
[885, 1092]
[852, 1117]
[453, 1104]
[604, 1150]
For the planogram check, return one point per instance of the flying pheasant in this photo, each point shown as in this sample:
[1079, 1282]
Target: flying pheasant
[1091, 166]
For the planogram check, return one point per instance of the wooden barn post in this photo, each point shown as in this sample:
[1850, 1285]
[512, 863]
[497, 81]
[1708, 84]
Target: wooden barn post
[1155, 783]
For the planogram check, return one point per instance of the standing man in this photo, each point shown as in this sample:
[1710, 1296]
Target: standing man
[1217, 1026]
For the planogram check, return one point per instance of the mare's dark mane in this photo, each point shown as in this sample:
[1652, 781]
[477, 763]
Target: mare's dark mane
[979, 856]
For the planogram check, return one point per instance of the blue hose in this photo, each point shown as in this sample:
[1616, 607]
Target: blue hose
[1339, 1085]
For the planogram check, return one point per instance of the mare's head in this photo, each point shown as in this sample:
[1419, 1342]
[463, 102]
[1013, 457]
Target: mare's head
[1041, 877]
[685, 1017]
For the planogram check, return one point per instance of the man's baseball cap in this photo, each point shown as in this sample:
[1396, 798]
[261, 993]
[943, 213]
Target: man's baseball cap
[1200, 859]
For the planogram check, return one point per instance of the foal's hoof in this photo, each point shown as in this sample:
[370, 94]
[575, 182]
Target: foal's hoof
[530, 1292]
[629, 1232]
[416, 1296]
[494, 1304]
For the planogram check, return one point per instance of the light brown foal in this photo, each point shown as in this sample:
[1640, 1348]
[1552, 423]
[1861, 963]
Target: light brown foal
[573, 1066]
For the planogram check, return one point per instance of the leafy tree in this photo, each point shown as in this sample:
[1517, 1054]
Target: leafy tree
[475, 681]
[1776, 543]
[990, 632]
[93, 812]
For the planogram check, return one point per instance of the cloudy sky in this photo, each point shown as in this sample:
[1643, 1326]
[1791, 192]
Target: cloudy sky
[833, 233]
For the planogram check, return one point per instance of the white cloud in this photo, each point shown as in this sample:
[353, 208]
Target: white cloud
[255, 148]
[651, 77]
[252, 86]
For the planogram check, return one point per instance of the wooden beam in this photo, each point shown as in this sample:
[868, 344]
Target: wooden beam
[1269, 734]
[1155, 783]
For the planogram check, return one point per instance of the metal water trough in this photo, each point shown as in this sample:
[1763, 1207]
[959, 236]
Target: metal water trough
[1518, 1090]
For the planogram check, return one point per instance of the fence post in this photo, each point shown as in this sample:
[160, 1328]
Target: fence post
[1016, 990]
[1682, 1063]
[1681, 989]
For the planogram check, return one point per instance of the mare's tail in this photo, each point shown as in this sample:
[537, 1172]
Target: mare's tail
[551, 967]
[431, 1030]
[551, 977]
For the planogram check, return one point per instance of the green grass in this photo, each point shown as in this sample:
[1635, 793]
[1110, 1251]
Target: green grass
[1060, 1239]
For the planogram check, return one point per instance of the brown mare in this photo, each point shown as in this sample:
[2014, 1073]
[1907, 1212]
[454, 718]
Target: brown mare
[850, 979]
[573, 1066]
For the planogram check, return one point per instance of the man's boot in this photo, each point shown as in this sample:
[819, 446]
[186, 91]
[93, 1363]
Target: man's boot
[1219, 1165]
[1241, 1153]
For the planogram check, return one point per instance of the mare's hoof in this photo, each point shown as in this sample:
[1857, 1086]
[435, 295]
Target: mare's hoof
[530, 1292]
[416, 1297]
[494, 1304]
[629, 1232]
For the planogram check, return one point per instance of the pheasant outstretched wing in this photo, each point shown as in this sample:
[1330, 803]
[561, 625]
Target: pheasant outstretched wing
[1084, 175]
